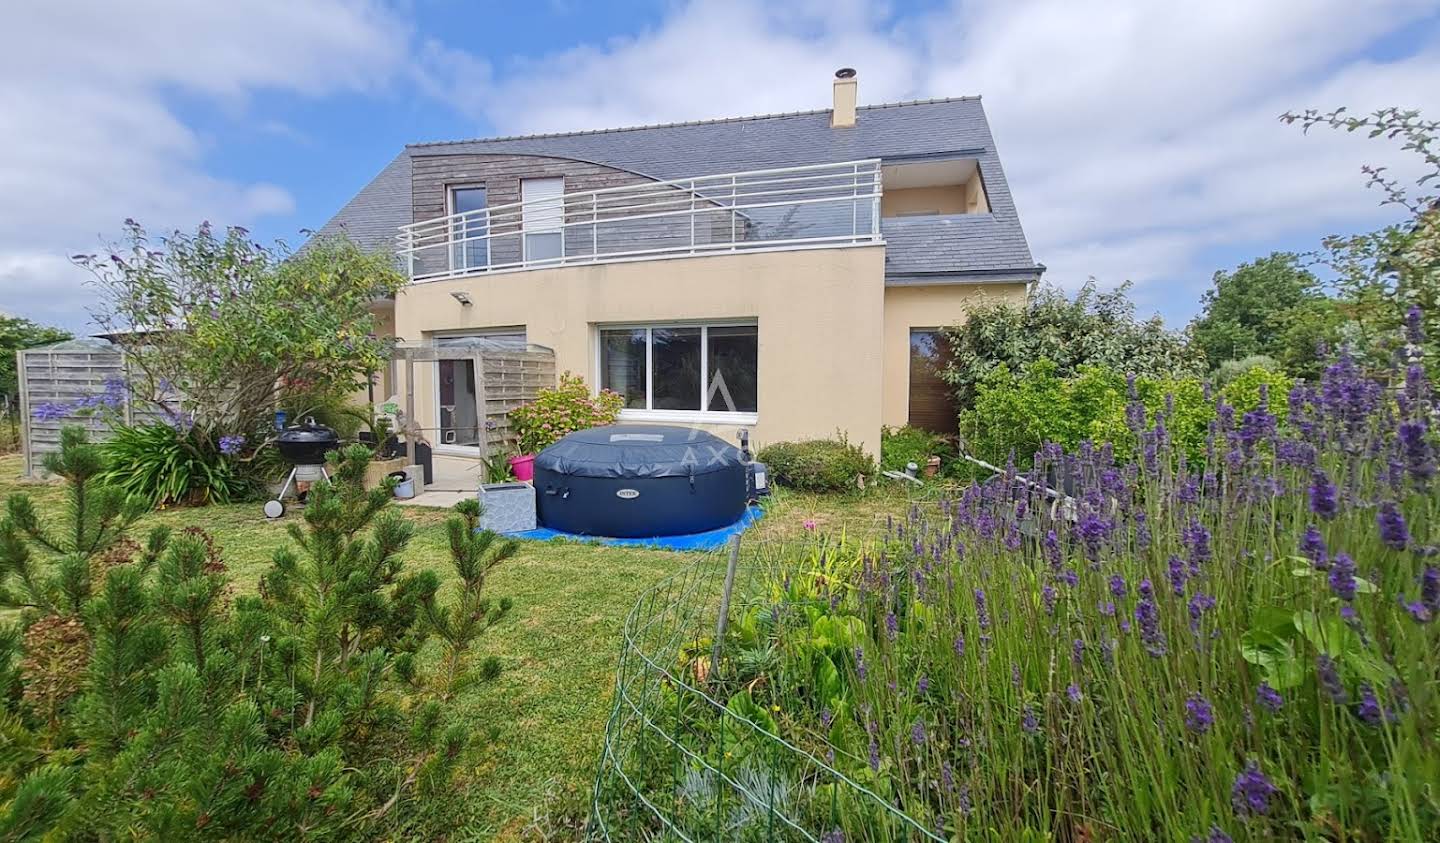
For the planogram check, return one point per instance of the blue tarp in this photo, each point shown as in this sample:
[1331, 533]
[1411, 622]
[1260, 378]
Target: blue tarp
[710, 540]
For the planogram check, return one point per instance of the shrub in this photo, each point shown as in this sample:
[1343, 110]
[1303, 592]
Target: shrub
[902, 445]
[1017, 413]
[1093, 328]
[1232, 369]
[564, 408]
[228, 329]
[164, 709]
[163, 464]
[817, 465]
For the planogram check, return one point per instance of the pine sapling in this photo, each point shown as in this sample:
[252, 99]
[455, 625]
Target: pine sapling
[98, 517]
[473, 552]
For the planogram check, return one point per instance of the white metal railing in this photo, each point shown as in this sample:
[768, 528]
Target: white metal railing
[789, 207]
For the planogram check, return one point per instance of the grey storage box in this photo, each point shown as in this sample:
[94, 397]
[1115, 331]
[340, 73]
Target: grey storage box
[507, 507]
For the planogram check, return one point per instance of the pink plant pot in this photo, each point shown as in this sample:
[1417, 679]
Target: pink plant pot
[524, 467]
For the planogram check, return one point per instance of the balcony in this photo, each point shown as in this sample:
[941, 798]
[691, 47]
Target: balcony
[818, 206]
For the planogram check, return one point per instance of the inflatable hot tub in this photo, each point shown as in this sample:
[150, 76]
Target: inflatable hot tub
[639, 481]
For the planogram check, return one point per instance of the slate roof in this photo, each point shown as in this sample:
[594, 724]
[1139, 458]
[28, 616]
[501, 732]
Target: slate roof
[918, 249]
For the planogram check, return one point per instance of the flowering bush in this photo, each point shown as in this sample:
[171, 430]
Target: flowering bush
[563, 409]
[1241, 647]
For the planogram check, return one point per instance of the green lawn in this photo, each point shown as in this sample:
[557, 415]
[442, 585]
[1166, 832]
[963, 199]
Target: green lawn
[538, 726]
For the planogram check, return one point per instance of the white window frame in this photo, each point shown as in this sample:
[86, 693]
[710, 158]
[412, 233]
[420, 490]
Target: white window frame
[541, 225]
[701, 416]
[478, 333]
[450, 212]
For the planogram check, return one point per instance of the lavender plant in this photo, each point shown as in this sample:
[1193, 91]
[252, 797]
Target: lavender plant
[1237, 647]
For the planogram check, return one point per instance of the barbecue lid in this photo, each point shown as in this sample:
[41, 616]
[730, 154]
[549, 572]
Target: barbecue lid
[308, 432]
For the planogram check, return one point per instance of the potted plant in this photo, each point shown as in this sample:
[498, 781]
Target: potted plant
[555, 412]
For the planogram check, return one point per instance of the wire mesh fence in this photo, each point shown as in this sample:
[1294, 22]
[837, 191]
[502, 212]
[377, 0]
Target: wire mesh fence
[688, 756]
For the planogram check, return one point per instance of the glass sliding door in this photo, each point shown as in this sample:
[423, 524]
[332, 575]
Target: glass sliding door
[684, 372]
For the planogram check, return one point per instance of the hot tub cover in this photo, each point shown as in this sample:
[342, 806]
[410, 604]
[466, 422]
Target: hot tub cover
[639, 450]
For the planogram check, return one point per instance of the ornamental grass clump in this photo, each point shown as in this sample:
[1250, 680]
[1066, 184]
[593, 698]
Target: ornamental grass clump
[1243, 647]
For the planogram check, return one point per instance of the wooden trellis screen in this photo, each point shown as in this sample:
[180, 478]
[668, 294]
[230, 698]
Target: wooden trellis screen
[505, 379]
[60, 375]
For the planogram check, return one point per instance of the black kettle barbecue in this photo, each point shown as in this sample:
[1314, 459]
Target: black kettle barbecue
[303, 446]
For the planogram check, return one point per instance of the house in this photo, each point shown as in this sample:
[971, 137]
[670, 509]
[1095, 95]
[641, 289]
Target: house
[784, 273]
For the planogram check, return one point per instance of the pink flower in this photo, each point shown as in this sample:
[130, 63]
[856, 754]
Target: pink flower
[809, 524]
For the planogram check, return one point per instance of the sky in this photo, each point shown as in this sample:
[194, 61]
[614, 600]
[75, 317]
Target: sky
[1140, 139]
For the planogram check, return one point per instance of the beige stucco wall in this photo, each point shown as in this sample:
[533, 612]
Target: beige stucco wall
[932, 306]
[947, 199]
[819, 314]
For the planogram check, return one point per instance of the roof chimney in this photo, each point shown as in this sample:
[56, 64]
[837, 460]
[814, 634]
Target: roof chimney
[843, 114]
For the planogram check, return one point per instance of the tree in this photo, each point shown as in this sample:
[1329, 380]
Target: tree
[1093, 328]
[230, 330]
[17, 334]
[162, 710]
[99, 516]
[1247, 311]
[1387, 282]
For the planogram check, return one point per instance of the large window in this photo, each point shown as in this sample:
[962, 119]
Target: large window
[701, 370]
[467, 248]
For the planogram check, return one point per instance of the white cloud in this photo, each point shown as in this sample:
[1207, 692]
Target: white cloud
[1135, 135]
[89, 135]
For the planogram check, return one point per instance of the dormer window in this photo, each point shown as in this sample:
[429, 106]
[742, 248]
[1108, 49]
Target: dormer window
[933, 188]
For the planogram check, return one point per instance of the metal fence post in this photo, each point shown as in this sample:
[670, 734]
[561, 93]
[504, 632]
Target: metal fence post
[724, 618]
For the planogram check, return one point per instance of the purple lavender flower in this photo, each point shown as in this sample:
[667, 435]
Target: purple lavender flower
[833, 836]
[860, 668]
[826, 717]
[917, 732]
[874, 754]
[1093, 531]
[1199, 714]
[1416, 450]
[1117, 587]
[1414, 326]
[1048, 596]
[1268, 697]
[1312, 544]
[1142, 531]
[1051, 544]
[1178, 576]
[1329, 677]
[922, 685]
[1148, 616]
[1393, 531]
[892, 626]
[1028, 722]
[982, 611]
[1216, 835]
[1106, 608]
[1198, 539]
[1430, 588]
[231, 445]
[959, 646]
[1322, 496]
[1342, 576]
[1073, 692]
[1250, 795]
[1077, 651]
[1369, 710]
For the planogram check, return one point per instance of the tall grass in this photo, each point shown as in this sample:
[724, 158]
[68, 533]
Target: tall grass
[1240, 649]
